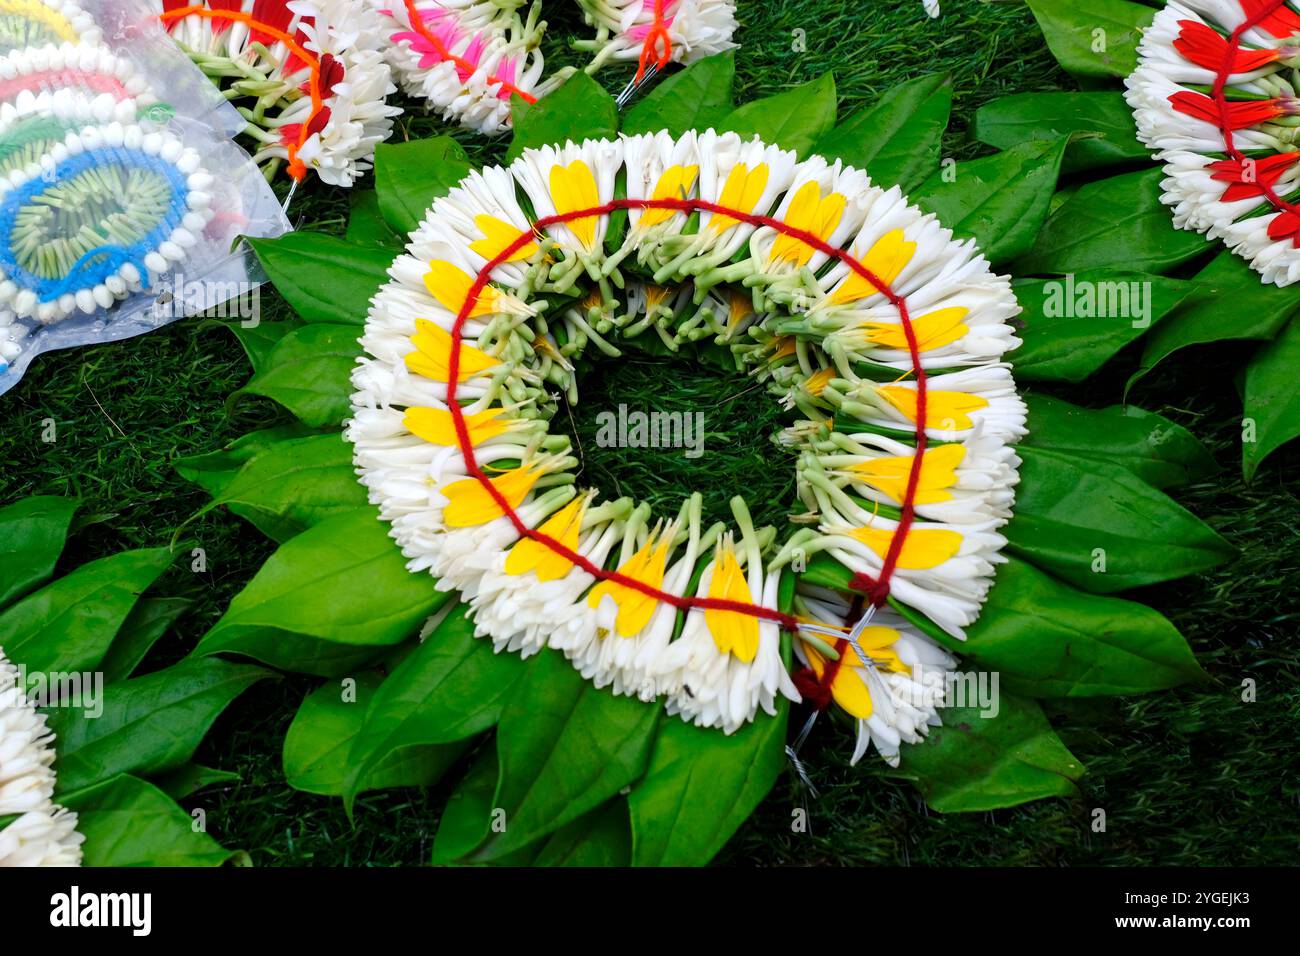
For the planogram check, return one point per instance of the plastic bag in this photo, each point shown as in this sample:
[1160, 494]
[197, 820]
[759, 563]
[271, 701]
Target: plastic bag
[122, 194]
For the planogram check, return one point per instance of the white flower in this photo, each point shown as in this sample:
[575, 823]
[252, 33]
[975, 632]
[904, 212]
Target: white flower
[694, 28]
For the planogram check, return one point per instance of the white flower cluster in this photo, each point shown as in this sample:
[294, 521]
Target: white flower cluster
[316, 69]
[40, 833]
[460, 378]
[1223, 157]
[679, 31]
[83, 181]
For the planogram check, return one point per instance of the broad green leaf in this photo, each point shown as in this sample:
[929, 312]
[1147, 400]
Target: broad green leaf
[898, 138]
[1118, 224]
[293, 485]
[127, 822]
[451, 687]
[188, 779]
[32, 534]
[1002, 201]
[580, 109]
[309, 374]
[148, 621]
[1098, 526]
[1047, 639]
[1094, 39]
[259, 341]
[319, 739]
[410, 176]
[213, 471]
[1160, 452]
[68, 625]
[1272, 399]
[976, 763]
[146, 725]
[564, 749]
[698, 97]
[792, 120]
[701, 786]
[341, 588]
[1258, 311]
[469, 814]
[601, 838]
[1099, 125]
[1074, 325]
[324, 278]
[366, 223]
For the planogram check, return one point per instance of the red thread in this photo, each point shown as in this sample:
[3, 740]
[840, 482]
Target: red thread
[879, 588]
[463, 66]
[658, 43]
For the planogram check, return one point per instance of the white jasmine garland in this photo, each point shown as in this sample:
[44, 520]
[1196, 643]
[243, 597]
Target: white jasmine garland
[627, 29]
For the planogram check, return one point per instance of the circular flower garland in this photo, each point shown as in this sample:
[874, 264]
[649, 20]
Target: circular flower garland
[1214, 96]
[858, 309]
[314, 70]
[36, 23]
[468, 58]
[41, 834]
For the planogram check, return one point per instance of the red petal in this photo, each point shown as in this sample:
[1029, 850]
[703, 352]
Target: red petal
[1207, 48]
[1286, 224]
[1282, 21]
[1238, 115]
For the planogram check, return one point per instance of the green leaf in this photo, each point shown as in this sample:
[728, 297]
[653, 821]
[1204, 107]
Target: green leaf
[1117, 223]
[146, 725]
[260, 340]
[127, 822]
[148, 621]
[701, 786]
[564, 749]
[1258, 312]
[898, 138]
[974, 764]
[32, 534]
[190, 778]
[293, 485]
[580, 109]
[213, 471]
[601, 838]
[317, 745]
[1074, 325]
[1272, 400]
[366, 223]
[1100, 126]
[468, 815]
[410, 176]
[1076, 515]
[341, 588]
[1002, 201]
[451, 687]
[1047, 639]
[1160, 452]
[792, 120]
[309, 374]
[1096, 39]
[324, 278]
[698, 97]
[69, 625]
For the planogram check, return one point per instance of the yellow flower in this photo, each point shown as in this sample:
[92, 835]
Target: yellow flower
[949, 411]
[848, 687]
[470, 504]
[451, 286]
[675, 183]
[816, 383]
[808, 212]
[886, 261]
[647, 566]
[742, 192]
[733, 633]
[436, 426]
[932, 331]
[923, 548]
[529, 555]
[432, 357]
[938, 472]
[573, 189]
[498, 236]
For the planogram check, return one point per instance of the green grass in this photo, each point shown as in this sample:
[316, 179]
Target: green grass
[1192, 776]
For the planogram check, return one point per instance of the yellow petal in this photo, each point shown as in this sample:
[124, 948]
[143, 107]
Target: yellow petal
[808, 212]
[949, 411]
[742, 191]
[498, 236]
[433, 355]
[635, 608]
[436, 426]
[849, 690]
[676, 183]
[470, 504]
[573, 189]
[733, 633]
[529, 555]
[938, 473]
[932, 331]
[923, 548]
[451, 286]
[886, 260]
[816, 383]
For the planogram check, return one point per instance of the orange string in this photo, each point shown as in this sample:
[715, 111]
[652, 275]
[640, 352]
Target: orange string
[657, 43]
[418, 25]
[297, 169]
